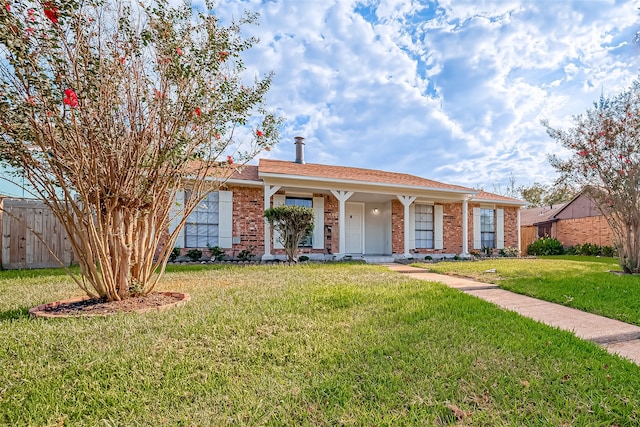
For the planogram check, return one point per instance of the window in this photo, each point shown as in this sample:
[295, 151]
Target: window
[299, 201]
[201, 228]
[488, 228]
[307, 202]
[424, 226]
[544, 230]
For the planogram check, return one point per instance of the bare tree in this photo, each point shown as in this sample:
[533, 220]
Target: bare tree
[107, 109]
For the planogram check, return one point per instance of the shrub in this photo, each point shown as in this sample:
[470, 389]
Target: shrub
[217, 253]
[608, 251]
[509, 252]
[571, 250]
[428, 258]
[194, 254]
[545, 246]
[591, 249]
[293, 224]
[303, 258]
[175, 253]
[246, 254]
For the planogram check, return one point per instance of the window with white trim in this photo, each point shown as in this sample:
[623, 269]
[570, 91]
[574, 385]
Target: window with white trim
[488, 228]
[306, 202]
[202, 226]
[424, 226]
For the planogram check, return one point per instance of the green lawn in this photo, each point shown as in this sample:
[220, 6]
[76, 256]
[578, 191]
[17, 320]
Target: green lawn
[306, 345]
[581, 282]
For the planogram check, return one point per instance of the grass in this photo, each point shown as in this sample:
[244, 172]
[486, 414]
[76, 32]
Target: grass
[585, 283]
[305, 345]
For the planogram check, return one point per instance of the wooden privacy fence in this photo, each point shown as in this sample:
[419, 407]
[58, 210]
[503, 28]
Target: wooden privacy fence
[527, 236]
[21, 220]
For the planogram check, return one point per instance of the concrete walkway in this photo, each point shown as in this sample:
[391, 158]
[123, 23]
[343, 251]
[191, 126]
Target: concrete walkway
[616, 336]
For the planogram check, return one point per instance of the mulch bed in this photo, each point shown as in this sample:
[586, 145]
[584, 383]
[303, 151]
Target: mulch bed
[84, 306]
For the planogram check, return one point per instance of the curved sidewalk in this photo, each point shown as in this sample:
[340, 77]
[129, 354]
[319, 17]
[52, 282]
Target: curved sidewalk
[616, 336]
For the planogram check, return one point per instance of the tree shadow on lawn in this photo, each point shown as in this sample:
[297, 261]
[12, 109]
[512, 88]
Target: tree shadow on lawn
[18, 313]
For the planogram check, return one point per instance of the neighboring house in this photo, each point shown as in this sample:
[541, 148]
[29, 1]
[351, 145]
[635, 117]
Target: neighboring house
[357, 212]
[537, 222]
[576, 222]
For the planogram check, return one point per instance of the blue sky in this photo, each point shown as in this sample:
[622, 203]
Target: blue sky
[451, 90]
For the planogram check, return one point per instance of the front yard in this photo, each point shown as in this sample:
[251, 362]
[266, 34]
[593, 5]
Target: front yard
[306, 345]
[585, 283]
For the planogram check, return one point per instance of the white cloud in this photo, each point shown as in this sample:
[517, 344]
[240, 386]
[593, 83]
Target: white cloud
[452, 91]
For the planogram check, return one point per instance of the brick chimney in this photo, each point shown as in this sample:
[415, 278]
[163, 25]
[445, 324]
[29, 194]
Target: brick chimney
[299, 149]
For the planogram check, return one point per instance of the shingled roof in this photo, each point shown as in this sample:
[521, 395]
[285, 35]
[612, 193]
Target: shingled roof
[279, 167]
[541, 214]
[491, 197]
[245, 173]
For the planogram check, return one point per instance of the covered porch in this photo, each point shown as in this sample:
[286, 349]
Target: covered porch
[367, 221]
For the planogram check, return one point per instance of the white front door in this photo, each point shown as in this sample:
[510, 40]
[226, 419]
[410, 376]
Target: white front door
[354, 225]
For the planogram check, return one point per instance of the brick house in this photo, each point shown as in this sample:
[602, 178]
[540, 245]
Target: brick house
[358, 212]
[576, 222]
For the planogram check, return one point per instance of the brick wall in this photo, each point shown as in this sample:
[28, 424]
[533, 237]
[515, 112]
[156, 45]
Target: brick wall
[511, 227]
[248, 219]
[452, 223]
[397, 227]
[593, 229]
[331, 229]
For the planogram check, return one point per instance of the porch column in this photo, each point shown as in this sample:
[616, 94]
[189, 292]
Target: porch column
[342, 197]
[465, 228]
[406, 202]
[269, 190]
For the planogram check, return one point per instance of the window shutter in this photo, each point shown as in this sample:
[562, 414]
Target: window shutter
[412, 227]
[318, 223]
[175, 216]
[225, 219]
[477, 236]
[438, 229]
[278, 200]
[499, 228]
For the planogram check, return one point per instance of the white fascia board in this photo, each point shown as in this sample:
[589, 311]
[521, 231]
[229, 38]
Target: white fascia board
[499, 202]
[345, 184]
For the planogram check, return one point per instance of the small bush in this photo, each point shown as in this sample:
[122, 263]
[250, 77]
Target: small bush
[608, 251]
[509, 252]
[217, 252]
[591, 249]
[303, 258]
[571, 250]
[545, 246]
[175, 253]
[428, 258]
[194, 254]
[246, 254]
